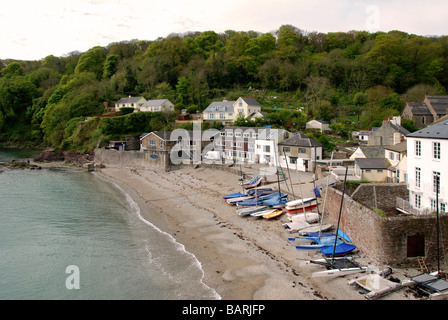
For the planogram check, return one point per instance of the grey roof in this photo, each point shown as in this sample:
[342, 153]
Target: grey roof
[438, 103]
[300, 140]
[220, 106]
[438, 130]
[166, 135]
[251, 101]
[129, 100]
[373, 151]
[400, 129]
[399, 147]
[372, 163]
[419, 109]
[157, 102]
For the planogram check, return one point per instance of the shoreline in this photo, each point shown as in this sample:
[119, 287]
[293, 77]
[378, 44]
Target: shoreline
[242, 258]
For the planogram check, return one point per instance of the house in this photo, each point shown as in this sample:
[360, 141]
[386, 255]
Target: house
[228, 111]
[320, 125]
[368, 152]
[157, 140]
[419, 113]
[164, 105]
[266, 145]
[371, 169]
[222, 111]
[363, 135]
[391, 132]
[427, 154]
[425, 113]
[130, 102]
[396, 155]
[299, 151]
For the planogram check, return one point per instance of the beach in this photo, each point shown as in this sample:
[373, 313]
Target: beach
[243, 258]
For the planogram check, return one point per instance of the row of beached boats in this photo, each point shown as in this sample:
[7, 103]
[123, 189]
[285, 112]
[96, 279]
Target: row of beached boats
[306, 222]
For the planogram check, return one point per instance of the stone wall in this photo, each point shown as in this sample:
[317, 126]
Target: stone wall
[132, 159]
[385, 239]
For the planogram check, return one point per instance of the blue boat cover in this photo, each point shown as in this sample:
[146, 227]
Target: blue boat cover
[341, 249]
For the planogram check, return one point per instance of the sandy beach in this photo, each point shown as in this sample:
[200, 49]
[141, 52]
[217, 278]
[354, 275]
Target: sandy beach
[243, 258]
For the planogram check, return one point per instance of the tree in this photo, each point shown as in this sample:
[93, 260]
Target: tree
[92, 61]
[110, 65]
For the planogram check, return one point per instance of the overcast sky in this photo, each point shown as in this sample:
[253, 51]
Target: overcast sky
[34, 29]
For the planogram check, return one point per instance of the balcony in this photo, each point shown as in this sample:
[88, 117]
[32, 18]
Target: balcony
[405, 207]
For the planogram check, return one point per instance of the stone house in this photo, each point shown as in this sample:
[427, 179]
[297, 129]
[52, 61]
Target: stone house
[425, 113]
[368, 152]
[391, 132]
[320, 125]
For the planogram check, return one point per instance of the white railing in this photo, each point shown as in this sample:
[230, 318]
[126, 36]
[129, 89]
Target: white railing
[404, 206]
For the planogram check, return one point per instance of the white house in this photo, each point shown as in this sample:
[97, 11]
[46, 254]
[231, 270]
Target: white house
[228, 111]
[266, 145]
[322, 126]
[157, 105]
[427, 161]
[396, 154]
[130, 102]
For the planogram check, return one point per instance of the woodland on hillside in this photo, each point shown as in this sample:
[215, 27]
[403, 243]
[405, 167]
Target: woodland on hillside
[354, 79]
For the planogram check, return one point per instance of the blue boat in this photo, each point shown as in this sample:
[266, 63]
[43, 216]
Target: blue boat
[261, 200]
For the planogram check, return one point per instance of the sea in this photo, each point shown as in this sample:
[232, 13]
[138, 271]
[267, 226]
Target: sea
[68, 234]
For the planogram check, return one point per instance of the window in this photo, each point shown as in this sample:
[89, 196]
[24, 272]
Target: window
[398, 176]
[240, 110]
[442, 207]
[418, 148]
[293, 160]
[152, 142]
[436, 150]
[302, 150]
[267, 149]
[379, 171]
[436, 182]
[417, 177]
[418, 201]
[391, 156]
[433, 205]
[222, 116]
[211, 116]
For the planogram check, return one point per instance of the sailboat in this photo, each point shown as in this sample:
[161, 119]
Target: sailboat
[338, 264]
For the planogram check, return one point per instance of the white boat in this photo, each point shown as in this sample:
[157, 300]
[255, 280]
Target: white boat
[376, 283]
[295, 204]
[238, 199]
[337, 267]
[261, 213]
[248, 210]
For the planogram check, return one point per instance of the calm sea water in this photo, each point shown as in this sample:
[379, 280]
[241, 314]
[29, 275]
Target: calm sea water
[63, 227]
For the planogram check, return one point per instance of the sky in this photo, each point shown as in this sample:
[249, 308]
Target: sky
[34, 29]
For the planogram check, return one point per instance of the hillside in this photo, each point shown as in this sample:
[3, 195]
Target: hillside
[296, 76]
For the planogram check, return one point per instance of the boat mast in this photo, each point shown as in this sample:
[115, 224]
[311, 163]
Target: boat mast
[326, 192]
[339, 219]
[437, 224]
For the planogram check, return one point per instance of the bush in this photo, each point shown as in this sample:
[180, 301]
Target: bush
[125, 111]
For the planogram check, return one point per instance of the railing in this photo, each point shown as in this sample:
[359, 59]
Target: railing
[404, 206]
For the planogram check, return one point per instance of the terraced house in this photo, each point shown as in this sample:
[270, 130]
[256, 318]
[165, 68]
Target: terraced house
[427, 153]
